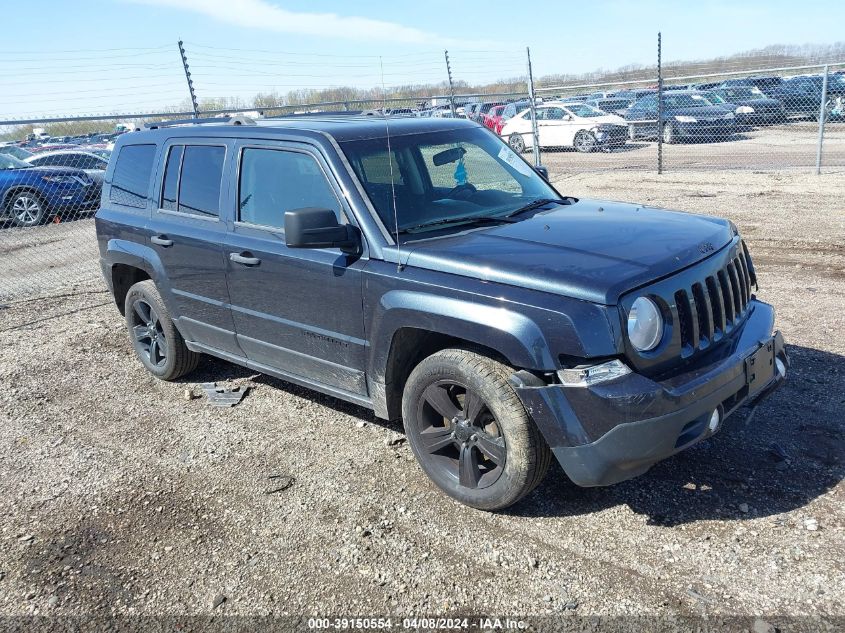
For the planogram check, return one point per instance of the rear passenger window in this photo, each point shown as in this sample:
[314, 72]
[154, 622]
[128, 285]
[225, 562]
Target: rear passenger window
[199, 185]
[131, 178]
[275, 181]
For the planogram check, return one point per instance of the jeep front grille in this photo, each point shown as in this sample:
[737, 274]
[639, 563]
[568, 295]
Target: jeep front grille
[712, 307]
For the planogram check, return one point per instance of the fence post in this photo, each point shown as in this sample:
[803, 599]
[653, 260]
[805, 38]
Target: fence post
[535, 135]
[188, 77]
[451, 87]
[822, 117]
[659, 104]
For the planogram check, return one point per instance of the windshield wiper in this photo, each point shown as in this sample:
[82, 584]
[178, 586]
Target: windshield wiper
[536, 204]
[466, 219]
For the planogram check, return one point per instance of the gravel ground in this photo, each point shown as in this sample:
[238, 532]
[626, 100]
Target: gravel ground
[122, 497]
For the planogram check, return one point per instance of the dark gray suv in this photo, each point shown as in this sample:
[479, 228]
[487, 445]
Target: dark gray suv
[420, 268]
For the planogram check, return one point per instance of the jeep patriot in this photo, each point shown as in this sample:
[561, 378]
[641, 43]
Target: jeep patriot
[422, 269]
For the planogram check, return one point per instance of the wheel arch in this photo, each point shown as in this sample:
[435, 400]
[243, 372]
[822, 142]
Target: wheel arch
[415, 325]
[123, 277]
[12, 190]
[125, 263]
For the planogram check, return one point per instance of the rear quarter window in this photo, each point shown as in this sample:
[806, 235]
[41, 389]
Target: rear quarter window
[131, 178]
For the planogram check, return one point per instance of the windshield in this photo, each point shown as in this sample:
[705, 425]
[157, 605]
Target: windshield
[441, 176]
[10, 162]
[744, 94]
[685, 101]
[583, 110]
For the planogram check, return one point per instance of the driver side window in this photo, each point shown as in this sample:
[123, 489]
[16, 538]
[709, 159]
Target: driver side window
[274, 181]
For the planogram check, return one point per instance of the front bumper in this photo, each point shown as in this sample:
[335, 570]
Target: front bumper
[617, 430]
[705, 129]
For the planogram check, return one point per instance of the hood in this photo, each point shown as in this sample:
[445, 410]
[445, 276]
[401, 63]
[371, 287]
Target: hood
[63, 171]
[607, 119]
[698, 111]
[592, 250]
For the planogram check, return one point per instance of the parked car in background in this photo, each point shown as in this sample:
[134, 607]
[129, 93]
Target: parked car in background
[471, 111]
[752, 107]
[612, 105]
[493, 119]
[801, 97]
[685, 117]
[767, 85]
[635, 95]
[563, 124]
[18, 152]
[31, 195]
[485, 108]
[90, 163]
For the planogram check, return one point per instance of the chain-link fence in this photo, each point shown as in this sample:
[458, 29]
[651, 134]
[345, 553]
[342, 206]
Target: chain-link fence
[719, 117]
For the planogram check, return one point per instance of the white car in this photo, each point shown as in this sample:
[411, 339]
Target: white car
[561, 124]
[92, 164]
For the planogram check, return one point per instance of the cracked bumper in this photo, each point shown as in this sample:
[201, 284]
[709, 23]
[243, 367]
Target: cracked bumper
[617, 430]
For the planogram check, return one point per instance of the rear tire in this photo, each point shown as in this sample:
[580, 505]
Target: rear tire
[157, 343]
[469, 431]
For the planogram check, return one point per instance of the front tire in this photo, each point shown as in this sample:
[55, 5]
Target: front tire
[157, 343]
[26, 209]
[469, 431]
[669, 134]
[517, 143]
[585, 142]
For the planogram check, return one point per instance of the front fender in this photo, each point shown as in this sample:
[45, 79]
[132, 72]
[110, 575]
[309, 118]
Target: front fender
[519, 339]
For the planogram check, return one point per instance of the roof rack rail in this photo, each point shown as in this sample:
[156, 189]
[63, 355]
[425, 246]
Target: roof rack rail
[229, 120]
[294, 115]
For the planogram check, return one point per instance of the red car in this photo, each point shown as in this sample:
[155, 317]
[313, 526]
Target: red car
[493, 119]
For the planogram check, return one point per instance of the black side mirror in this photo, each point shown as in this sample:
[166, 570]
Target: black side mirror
[543, 171]
[312, 227]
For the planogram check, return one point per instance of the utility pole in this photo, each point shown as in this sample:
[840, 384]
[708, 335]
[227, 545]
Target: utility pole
[451, 87]
[659, 105]
[190, 83]
[535, 134]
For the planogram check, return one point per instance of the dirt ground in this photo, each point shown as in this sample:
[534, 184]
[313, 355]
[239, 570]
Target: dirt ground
[119, 496]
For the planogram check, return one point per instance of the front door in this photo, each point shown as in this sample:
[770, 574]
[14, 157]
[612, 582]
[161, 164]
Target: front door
[297, 311]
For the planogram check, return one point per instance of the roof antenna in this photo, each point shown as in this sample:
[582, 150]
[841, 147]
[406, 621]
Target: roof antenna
[390, 164]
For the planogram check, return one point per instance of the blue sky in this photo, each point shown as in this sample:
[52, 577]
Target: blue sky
[92, 56]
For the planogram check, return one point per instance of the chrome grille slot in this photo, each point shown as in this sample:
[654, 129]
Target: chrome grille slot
[727, 298]
[704, 315]
[685, 323]
[714, 291]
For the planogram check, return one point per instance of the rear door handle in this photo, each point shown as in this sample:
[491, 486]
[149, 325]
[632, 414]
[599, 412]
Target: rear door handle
[244, 258]
[161, 240]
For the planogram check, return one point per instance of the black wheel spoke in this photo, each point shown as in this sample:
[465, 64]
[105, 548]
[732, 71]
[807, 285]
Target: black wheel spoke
[438, 397]
[492, 447]
[143, 311]
[473, 404]
[154, 352]
[437, 438]
[468, 473]
[141, 332]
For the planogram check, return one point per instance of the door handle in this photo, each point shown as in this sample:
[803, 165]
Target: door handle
[244, 258]
[161, 240]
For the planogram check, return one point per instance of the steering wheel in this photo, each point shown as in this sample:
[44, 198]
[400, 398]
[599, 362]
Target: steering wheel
[461, 192]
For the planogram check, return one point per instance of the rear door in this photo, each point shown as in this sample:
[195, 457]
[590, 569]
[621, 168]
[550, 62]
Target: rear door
[187, 233]
[296, 311]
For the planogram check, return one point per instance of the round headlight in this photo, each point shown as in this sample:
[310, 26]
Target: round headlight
[645, 324]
